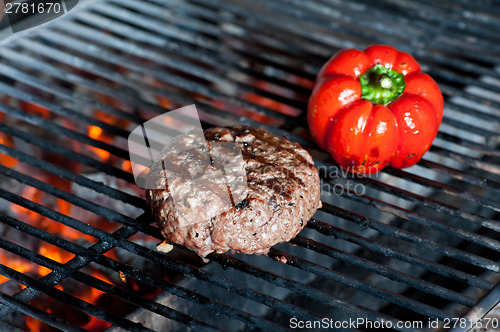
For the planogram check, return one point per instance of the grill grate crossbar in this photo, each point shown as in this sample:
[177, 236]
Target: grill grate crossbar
[384, 271]
[87, 279]
[444, 270]
[210, 51]
[181, 267]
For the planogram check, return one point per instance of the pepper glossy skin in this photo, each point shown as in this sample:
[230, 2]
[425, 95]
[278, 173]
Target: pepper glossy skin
[374, 107]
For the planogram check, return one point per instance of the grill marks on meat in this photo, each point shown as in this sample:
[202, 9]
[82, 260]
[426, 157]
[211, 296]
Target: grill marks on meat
[283, 194]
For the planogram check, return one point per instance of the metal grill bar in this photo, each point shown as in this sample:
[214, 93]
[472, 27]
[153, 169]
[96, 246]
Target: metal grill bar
[62, 296]
[421, 200]
[85, 204]
[344, 305]
[36, 120]
[61, 194]
[16, 93]
[385, 271]
[131, 272]
[95, 86]
[412, 238]
[228, 261]
[66, 94]
[469, 30]
[82, 47]
[89, 280]
[370, 289]
[438, 225]
[198, 56]
[91, 230]
[365, 19]
[37, 313]
[449, 190]
[468, 178]
[427, 54]
[338, 233]
[67, 153]
[113, 216]
[175, 80]
[478, 164]
[81, 180]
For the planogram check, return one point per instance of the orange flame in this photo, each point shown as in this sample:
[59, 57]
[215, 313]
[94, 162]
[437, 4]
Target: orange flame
[31, 194]
[6, 160]
[92, 295]
[96, 133]
[7, 140]
[99, 134]
[37, 220]
[68, 313]
[88, 294]
[16, 263]
[54, 253]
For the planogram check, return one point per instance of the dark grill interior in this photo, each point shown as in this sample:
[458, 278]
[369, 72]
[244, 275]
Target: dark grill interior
[404, 245]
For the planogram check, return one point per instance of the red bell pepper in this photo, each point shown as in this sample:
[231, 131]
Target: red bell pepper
[374, 107]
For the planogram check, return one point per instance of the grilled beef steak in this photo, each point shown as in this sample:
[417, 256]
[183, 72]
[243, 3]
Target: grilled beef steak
[282, 194]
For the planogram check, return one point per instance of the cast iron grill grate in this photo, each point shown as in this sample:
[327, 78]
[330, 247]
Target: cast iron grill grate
[405, 245]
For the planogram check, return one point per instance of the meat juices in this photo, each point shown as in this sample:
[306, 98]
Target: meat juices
[283, 193]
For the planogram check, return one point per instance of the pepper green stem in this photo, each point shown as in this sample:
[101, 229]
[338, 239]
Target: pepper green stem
[381, 85]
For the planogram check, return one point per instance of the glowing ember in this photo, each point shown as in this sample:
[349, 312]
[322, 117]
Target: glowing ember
[127, 166]
[269, 102]
[35, 109]
[99, 134]
[34, 195]
[164, 102]
[96, 133]
[16, 263]
[6, 160]
[54, 253]
[49, 225]
[68, 313]
[59, 255]
[5, 139]
[92, 296]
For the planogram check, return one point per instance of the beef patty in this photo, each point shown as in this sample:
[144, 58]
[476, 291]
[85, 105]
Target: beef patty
[282, 193]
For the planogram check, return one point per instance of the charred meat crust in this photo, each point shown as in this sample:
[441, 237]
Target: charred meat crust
[283, 194]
